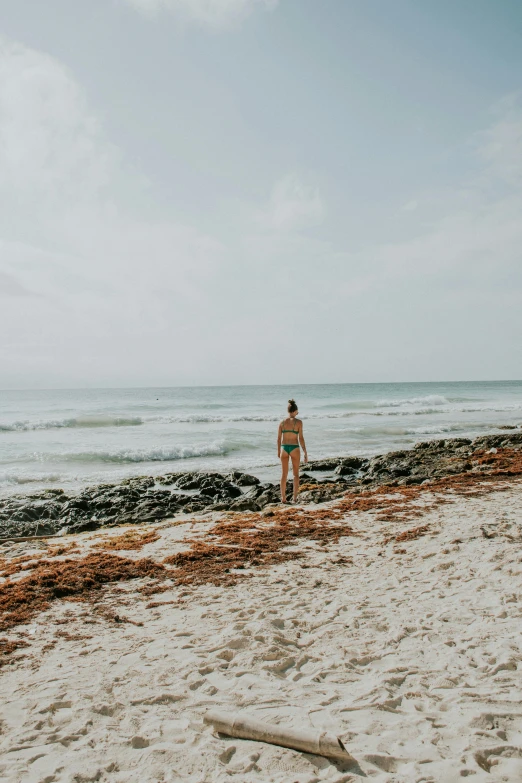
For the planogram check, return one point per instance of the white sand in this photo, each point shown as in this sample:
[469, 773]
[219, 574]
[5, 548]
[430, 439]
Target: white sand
[412, 659]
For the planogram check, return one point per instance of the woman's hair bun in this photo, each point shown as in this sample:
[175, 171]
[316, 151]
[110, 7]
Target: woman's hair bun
[292, 402]
[292, 406]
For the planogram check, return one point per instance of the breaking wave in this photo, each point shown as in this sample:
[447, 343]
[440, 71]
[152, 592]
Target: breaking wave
[197, 418]
[154, 454]
[29, 478]
[429, 399]
[79, 421]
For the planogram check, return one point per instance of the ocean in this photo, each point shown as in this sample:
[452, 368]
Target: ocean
[75, 437]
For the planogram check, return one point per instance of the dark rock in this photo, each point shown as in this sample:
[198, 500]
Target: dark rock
[352, 462]
[398, 470]
[158, 494]
[344, 470]
[169, 478]
[216, 484]
[270, 493]
[242, 479]
[190, 481]
[141, 482]
[194, 507]
[181, 500]
[80, 526]
[245, 504]
[322, 464]
[220, 505]
[513, 441]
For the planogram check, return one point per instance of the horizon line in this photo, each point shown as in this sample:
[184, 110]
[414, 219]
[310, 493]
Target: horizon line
[251, 385]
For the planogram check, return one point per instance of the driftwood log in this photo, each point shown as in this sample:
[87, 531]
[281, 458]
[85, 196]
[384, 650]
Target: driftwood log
[321, 743]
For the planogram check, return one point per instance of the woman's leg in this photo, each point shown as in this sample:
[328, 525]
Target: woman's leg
[284, 474]
[296, 459]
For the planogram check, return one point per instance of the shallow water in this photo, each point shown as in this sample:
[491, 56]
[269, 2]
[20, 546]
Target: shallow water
[70, 438]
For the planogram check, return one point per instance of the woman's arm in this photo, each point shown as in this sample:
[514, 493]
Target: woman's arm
[279, 438]
[302, 440]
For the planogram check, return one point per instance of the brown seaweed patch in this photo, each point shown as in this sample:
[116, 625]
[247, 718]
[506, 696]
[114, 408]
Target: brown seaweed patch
[130, 540]
[408, 535]
[78, 579]
[29, 560]
[254, 540]
[71, 637]
[8, 647]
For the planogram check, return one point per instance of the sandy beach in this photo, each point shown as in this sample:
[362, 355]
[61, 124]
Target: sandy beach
[400, 633]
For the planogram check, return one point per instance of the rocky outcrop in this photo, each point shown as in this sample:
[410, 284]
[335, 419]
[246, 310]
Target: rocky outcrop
[147, 499]
[133, 501]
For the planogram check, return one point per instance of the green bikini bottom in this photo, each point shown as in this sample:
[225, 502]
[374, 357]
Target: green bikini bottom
[290, 448]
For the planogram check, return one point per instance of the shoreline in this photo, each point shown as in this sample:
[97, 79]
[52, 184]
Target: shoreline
[147, 499]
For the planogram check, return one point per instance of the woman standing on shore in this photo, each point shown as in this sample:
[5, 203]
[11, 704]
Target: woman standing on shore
[291, 432]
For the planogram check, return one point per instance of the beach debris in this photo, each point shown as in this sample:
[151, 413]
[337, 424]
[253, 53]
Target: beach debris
[76, 579]
[251, 540]
[8, 647]
[128, 541]
[320, 743]
[409, 535]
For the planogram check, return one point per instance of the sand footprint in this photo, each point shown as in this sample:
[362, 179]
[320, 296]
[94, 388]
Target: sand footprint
[386, 763]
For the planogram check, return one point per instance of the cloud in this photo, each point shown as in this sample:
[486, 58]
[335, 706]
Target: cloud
[84, 273]
[50, 144]
[499, 147]
[9, 286]
[211, 13]
[293, 205]
[96, 289]
[471, 242]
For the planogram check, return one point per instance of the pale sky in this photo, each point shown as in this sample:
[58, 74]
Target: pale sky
[259, 191]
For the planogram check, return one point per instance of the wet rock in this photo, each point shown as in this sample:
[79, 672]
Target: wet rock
[345, 470]
[352, 462]
[322, 464]
[242, 479]
[270, 493]
[511, 441]
[190, 481]
[141, 482]
[245, 504]
[169, 478]
[180, 500]
[194, 507]
[220, 487]
[79, 526]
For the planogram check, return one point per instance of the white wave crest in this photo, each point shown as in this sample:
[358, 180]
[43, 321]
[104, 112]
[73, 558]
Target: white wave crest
[197, 418]
[79, 421]
[153, 454]
[429, 399]
[29, 478]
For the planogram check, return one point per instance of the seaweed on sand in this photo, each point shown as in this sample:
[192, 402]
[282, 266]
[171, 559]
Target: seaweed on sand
[241, 541]
[255, 540]
[130, 540]
[79, 579]
[8, 647]
[409, 535]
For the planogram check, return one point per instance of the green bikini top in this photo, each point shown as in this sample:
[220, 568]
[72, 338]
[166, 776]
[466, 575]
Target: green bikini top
[296, 432]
